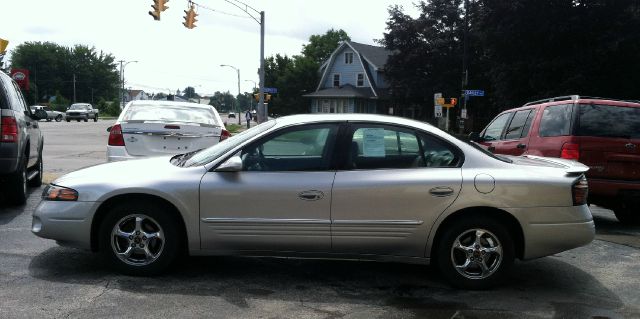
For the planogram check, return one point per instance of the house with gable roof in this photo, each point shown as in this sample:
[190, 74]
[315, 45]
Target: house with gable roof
[353, 81]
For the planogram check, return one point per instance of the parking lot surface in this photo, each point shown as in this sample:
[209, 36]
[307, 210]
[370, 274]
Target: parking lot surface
[40, 279]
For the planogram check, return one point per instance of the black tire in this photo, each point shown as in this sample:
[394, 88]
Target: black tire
[58, 118]
[154, 214]
[86, 118]
[36, 181]
[68, 120]
[48, 119]
[627, 215]
[18, 185]
[78, 120]
[467, 229]
[95, 118]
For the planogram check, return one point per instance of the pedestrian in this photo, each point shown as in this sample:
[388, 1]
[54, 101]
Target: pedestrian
[248, 117]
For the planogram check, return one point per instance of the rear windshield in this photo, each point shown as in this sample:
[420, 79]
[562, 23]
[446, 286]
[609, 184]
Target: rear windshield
[170, 113]
[608, 121]
[78, 107]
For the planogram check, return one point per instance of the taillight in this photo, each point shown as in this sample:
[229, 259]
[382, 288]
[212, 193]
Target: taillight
[9, 129]
[115, 136]
[224, 135]
[580, 191]
[570, 151]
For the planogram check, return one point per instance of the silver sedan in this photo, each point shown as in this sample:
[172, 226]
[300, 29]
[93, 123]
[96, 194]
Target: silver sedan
[352, 186]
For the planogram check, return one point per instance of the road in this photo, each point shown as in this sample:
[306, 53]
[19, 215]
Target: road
[40, 279]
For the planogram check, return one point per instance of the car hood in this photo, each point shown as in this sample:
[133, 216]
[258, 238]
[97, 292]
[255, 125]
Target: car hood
[144, 175]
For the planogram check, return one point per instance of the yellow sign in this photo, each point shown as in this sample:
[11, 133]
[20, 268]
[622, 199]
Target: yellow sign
[3, 45]
[449, 102]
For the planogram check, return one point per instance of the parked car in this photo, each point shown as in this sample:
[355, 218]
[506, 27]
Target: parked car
[21, 143]
[604, 134]
[51, 114]
[356, 186]
[82, 111]
[154, 128]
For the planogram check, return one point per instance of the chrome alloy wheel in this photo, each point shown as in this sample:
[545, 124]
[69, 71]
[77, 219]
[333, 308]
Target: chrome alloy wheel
[476, 254]
[137, 240]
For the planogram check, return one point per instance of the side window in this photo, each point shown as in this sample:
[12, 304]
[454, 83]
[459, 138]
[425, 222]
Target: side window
[438, 153]
[556, 120]
[302, 149]
[517, 125]
[22, 106]
[527, 124]
[378, 147]
[494, 130]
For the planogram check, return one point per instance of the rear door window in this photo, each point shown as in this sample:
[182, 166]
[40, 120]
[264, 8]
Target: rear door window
[494, 130]
[608, 121]
[556, 120]
[518, 124]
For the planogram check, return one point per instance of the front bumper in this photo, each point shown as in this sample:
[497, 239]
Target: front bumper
[69, 223]
[550, 230]
[76, 116]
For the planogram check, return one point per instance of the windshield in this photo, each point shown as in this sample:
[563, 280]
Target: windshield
[170, 113]
[209, 154]
[78, 107]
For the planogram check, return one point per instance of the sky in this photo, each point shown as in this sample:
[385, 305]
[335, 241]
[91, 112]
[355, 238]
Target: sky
[172, 57]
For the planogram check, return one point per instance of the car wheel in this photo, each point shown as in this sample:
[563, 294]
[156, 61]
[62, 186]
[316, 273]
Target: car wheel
[48, 119]
[140, 238]
[626, 215]
[475, 253]
[86, 118]
[95, 118]
[37, 180]
[18, 185]
[58, 118]
[78, 120]
[68, 120]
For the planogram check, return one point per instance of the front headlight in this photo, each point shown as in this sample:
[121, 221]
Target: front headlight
[55, 192]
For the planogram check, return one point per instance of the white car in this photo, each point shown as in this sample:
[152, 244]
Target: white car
[51, 114]
[155, 128]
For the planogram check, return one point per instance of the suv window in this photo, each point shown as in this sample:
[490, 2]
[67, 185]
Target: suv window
[608, 121]
[494, 130]
[519, 125]
[556, 120]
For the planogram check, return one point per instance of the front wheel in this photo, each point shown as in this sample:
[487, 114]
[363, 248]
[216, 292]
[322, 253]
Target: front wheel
[140, 238]
[475, 253]
[95, 118]
[86, 118]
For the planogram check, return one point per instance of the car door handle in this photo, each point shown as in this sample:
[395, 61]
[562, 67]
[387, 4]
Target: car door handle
[521, 145]
[441, 191]
[311, 195]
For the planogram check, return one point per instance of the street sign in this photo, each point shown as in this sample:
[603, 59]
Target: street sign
[270, 90]
[437, 110]
[473, 92]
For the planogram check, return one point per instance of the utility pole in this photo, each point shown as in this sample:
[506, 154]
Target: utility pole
[262, 109]
[122, 66]
[74, 88]
[465, 68]
[237, 99]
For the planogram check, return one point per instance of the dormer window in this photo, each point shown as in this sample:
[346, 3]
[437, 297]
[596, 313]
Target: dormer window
[348, 58]
[360, 79]
[336, 80]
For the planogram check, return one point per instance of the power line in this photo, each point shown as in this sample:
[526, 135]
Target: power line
[201, 6]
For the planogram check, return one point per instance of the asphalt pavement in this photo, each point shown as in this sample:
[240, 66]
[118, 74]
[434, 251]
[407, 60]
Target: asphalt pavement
[39, 279]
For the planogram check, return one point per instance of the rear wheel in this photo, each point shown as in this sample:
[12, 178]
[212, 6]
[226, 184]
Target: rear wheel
[59, 118]
[78, 120]
[86, 118]
[140, 238]
[68, 120]
[95, 118]
[18, 185]
[627, 215]
[475, 253]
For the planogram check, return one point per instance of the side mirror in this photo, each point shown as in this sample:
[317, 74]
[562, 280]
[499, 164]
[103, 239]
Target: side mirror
[109, 128]
[40, 114]
[234, 164]
[474, 136]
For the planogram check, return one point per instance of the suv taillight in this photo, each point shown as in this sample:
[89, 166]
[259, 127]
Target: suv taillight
[8, 129]
[224, 135]
[115, 136]
[570, 151]
[580, 191]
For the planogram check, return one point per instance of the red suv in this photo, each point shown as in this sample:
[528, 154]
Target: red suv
[601, 133]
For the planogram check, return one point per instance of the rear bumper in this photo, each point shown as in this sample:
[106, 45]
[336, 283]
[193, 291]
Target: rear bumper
[8, 165]
[118, 153]
[550, 230]
[611, 193]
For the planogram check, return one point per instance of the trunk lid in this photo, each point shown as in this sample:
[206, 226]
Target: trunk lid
[570, 167]
[152, 138]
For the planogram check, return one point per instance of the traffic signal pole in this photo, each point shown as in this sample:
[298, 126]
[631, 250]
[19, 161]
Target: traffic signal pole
[262, 110]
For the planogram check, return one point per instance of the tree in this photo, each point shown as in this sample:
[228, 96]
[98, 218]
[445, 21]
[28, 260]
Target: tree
[320, 47]
[190, 93]
[52, 68]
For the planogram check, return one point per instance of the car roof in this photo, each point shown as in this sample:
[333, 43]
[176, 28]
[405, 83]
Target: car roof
[171, 103]
[350, 117]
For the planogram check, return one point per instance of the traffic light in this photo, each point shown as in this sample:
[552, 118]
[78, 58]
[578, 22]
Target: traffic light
[447, 102]
[454, 101]
[267, 97]
[190, 18]
[158, 7]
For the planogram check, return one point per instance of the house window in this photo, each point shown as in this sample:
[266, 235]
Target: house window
[360, 81]
[348, 58]
[336, 80]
